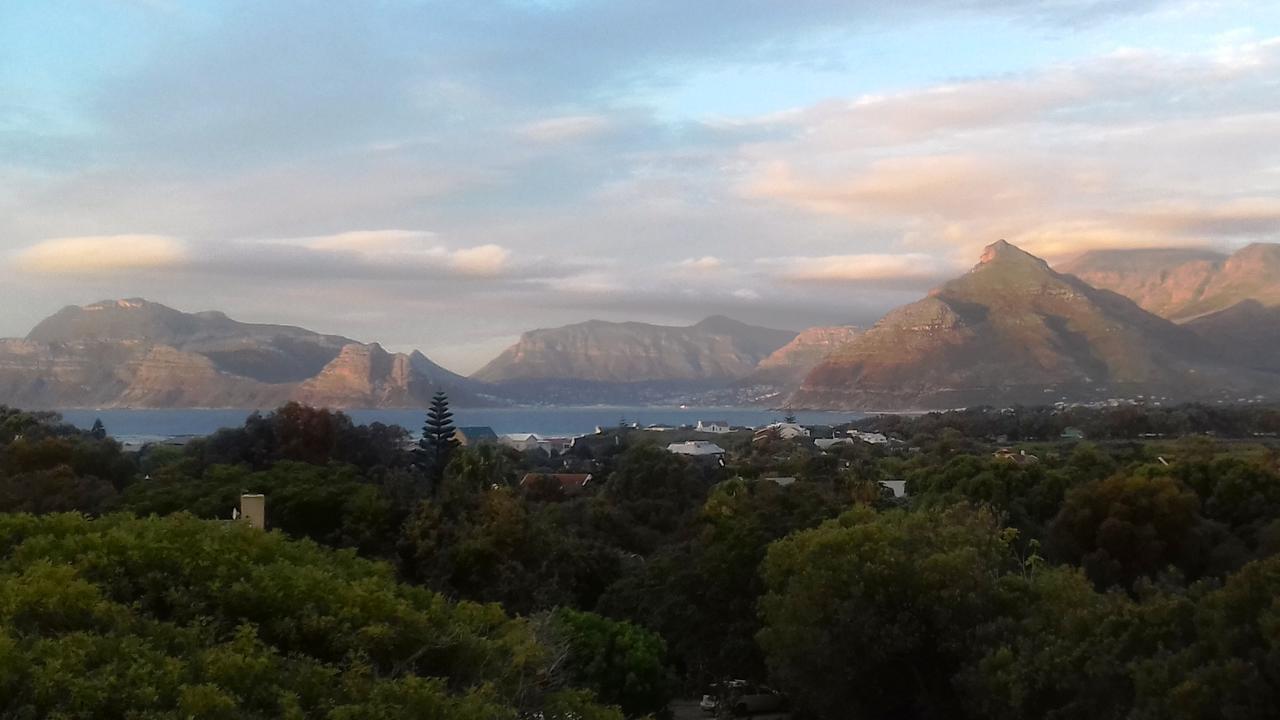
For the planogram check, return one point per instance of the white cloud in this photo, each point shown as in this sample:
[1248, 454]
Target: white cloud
[99, 254]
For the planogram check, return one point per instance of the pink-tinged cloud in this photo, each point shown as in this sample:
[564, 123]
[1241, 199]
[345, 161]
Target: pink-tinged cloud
[101, 254]
[1132, 149]
[701, 264]
[877, 267]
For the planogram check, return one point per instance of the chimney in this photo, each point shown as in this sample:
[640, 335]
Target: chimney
[253, 508]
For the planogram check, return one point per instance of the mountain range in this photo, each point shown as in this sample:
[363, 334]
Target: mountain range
[136, 353]
[1181, 284]
[1014, 330]
[1181, 324]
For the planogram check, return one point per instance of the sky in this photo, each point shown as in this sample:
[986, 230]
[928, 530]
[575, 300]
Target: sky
[445, 175]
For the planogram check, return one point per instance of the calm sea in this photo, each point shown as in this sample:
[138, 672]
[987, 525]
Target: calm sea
[143, 424]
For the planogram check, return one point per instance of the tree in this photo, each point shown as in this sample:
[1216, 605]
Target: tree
[701, 595]
[178, 617]
[621, 662]
[1131, 526]
[871, 615]
[438, 441]
[98, 431]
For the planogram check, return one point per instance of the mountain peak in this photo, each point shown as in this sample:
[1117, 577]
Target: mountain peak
[995, 250]
[1002, 252]
[719, 323]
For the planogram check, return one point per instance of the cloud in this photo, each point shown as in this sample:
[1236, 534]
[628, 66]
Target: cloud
[700, 264]
[101, 254]
[564, 129]
[481, 261]
[860, 268]
[1133, 148]
[397, 251]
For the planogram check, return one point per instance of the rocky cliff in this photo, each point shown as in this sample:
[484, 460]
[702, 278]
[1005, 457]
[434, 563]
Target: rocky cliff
[1184, 284]
[1014, 330]
[789, 364]
[716, 350]
[136, 353]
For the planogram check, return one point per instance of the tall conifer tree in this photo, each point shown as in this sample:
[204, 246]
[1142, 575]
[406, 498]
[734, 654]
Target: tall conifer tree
[438, 441]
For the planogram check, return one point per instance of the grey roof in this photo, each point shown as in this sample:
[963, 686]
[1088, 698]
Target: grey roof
[478, 432]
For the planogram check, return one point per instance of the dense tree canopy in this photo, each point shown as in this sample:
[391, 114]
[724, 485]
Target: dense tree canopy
[179, 617]
[1025, 575]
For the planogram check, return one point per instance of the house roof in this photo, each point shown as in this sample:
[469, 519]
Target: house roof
[696, 447]
[477, 432]
[714, 422]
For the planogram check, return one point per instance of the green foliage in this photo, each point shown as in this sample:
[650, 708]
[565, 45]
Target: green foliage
[620, 662]
[872, 614]
[178, 617]
[493, 547]
[1059, 649]
[333, 505]
[303, 434]
[1131, 526]
[701, 594]
[654, 493]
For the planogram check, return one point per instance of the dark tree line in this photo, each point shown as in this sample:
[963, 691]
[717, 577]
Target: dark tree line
[1112, 580]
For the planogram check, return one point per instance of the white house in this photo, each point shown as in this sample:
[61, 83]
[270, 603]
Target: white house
[696, 448]
[866, 437]
[789, 431]
[828, 443]
[713, 426]
[524, 442]
[899, 487]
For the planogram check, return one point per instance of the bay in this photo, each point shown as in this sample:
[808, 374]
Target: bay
[135, 424]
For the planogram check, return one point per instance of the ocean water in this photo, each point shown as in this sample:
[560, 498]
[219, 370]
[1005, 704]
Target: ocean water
[556, 421]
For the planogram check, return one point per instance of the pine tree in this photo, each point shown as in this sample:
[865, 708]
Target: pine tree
[438, 441]
[98, 431]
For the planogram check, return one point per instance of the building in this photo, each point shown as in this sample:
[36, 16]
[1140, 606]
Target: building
[869, 437]
[555, 445]
[713, 426]
[781, 481]
[253, 510]
[1020, 458]
[896, 487]
[521, 442]
[828, 443]
[525, 442]
[789, 431]
[478, 435]
[570, 483]
[696, 448]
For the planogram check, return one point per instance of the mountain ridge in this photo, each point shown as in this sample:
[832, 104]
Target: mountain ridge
[134, 352]
[1012, 329]
[1182, 284]
[716, 349]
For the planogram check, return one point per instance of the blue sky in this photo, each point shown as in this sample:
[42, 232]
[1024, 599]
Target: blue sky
[443, 175]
